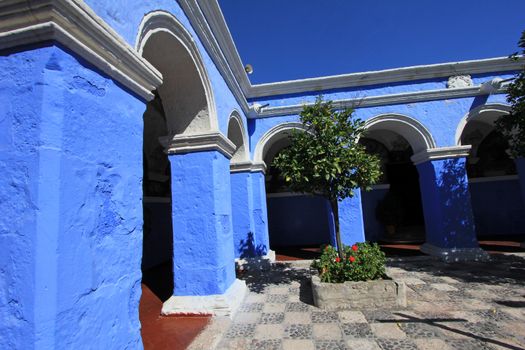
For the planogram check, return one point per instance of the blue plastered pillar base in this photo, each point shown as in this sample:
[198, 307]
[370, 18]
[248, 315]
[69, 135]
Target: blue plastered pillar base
[449, 222]
[203, 255]
[520, 166]
[350, 220]
[250, 218]
[260, 211]
[245, 245]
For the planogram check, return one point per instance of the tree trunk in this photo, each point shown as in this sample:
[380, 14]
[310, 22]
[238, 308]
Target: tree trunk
[335, 210]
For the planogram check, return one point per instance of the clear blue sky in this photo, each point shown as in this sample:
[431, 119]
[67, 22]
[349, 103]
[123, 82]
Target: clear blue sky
[294, 39]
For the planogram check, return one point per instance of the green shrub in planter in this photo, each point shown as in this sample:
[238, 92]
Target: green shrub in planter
[363, 262]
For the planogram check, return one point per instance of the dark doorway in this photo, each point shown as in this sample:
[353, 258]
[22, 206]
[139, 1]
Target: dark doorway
[157, 267]
[393, 211]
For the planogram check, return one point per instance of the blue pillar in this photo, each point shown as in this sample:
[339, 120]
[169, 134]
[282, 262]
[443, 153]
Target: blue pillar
[350, 220]
[449, 222]
[260, 212]
[203, 257]
[245, 245]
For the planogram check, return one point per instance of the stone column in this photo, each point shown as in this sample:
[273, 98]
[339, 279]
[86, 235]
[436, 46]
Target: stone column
[203, 257]
[260, 211]
[250, 217]
[244, 242]
[449, 222]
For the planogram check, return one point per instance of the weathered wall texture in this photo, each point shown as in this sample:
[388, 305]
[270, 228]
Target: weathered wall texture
[72, 221]
[202, 223]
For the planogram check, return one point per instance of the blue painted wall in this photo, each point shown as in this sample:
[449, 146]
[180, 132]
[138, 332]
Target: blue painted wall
[374, 230]
[298, 220]
[504, 218]
[20, 106]
[441, 118]
[72, 212]
[520, 167]
[203, 255]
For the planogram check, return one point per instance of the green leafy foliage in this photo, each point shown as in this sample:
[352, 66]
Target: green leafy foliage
[327, 159]
[512, 126]
[362, 262]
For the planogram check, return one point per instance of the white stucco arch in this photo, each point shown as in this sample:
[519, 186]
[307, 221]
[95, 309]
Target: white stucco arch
[237, 134]
[416, 134]
[157, 28]
[487, 113]
[272, 136]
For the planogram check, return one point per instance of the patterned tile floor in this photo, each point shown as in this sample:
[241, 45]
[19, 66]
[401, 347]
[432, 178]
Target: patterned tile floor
[450, 306]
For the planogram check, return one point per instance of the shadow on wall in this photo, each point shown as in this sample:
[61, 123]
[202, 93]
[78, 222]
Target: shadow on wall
[458, 221]
[249, 248]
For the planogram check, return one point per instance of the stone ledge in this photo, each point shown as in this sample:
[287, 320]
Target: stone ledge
[455, 254]
[225, 304]
[358, 295]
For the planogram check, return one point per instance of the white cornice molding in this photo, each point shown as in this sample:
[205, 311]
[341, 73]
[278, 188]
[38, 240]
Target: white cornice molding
[75, 26]
[441, 153]
[242, 167]
[374, 101]
[215, 18]
[201, 24]
[209, 23]
[214, 141]
[422, 72]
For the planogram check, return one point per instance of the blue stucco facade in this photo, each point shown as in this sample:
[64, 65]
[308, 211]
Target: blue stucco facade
[72, 139]
[73, 191]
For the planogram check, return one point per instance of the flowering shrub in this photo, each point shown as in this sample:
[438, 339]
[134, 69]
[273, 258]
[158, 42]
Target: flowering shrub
[362, 262]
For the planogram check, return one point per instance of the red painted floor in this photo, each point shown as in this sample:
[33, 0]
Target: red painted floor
[161, 332]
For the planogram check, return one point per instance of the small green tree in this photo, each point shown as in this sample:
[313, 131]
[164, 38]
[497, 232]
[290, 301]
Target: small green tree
[512, 126]
[326, 158]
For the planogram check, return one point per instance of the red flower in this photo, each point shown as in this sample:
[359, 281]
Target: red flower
[338, 259]
[351, 259]
[354, 247]
[326, 248]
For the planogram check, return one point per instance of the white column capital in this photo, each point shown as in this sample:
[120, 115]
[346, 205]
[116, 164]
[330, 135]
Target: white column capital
[441, 153]
[248, 166]
[214, 141]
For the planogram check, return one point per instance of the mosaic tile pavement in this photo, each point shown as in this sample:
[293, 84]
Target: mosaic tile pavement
[450, 306]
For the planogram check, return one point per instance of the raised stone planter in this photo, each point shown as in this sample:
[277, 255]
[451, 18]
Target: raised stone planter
[359, 295]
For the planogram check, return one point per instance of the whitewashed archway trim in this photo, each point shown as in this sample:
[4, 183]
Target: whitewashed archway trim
[161, 21]
[271, 136]
[235, 116]
[475, 113]
[412, 130]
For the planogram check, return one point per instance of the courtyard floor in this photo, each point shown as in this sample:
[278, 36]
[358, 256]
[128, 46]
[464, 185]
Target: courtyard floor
[450, 306]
